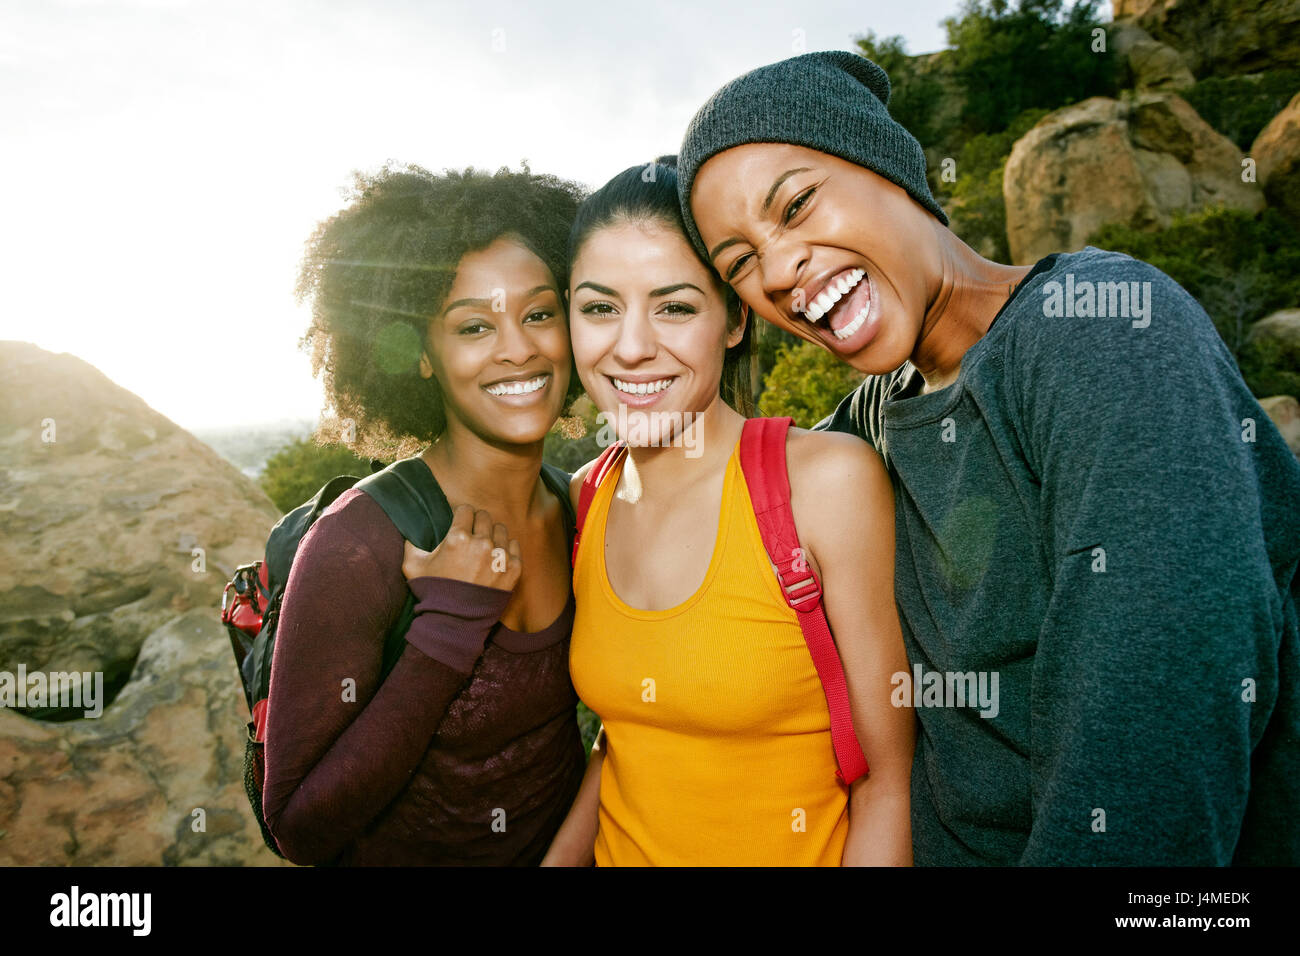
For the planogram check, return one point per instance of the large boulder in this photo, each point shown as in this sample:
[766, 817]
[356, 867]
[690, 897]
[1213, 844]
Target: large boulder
[1276, 152]
[1222, 36]
[113, 519]
[123, 789]
[1137, 161]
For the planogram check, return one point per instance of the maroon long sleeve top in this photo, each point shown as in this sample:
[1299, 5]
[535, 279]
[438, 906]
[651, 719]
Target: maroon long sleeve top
[467, 753]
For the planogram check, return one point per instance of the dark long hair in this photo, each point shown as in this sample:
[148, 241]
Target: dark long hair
[649, 192]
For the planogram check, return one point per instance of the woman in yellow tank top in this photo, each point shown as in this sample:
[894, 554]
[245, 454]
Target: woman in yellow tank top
[716, 746]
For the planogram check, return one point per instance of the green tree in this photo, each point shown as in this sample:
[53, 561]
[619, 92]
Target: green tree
[889, 53]
[297, 471]
[1035, 54]
[1240, 107]
[767, 343]
[806, 383]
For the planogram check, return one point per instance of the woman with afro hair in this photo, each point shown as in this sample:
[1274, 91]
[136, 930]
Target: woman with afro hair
[437, 320]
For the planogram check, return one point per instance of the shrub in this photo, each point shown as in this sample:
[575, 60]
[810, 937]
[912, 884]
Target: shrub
[1240, 107]
[572, 442]
[806, 383]
[297, 471]
[588, 726]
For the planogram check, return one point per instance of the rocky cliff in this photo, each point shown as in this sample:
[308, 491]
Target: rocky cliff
[1222, 36]
[1138, 161]
[118, 530]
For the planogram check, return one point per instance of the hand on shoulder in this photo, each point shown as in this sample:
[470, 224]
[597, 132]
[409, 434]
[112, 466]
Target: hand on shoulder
[475, 550]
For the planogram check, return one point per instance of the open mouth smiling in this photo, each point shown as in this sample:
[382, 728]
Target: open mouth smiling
[843, 304]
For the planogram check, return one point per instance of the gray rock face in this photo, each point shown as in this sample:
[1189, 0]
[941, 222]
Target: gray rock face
[1136, 161]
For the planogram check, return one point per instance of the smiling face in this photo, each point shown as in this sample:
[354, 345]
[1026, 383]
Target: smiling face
[649, 325]
[500, 347]
[821, 247]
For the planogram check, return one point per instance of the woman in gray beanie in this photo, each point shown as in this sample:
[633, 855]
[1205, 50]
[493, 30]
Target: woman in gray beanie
[1103, 655]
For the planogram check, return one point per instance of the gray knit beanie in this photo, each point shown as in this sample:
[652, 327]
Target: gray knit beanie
[833, 102]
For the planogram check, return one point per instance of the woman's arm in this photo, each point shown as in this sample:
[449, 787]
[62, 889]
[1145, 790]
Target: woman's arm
[843, 505]
[575, 841]
[339, 744]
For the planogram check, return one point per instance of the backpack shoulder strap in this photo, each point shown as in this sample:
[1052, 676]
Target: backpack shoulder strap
[602, 466]
[412, 499]
[557, 480]
[763, 461]
[282, 542]
[414, 502]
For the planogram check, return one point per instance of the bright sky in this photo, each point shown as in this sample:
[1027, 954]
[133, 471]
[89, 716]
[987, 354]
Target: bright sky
[164, 161]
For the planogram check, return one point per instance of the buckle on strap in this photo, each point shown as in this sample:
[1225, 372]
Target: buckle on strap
[800, 585]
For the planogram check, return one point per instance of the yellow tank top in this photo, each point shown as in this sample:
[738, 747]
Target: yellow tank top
[717, 733]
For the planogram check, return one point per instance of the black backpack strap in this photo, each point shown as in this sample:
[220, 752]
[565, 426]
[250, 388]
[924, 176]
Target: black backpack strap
[282, 543]
[413, 501]
[557, 479]
[281, 546]
[410, 496]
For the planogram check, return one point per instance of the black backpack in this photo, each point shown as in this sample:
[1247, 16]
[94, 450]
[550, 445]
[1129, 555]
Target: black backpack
[413, 501]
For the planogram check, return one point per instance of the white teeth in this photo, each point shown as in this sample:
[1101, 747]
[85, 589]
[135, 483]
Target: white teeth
[642, 388]
[517, 388]
[832, 294]
[821, 305]
[856, 324]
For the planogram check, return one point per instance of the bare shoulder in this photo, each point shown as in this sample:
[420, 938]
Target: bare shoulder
[839, 488]
[843, 502]
[823, 462]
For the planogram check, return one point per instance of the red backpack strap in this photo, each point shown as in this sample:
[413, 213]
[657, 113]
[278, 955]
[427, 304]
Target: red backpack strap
[607, 460]
[762, 458]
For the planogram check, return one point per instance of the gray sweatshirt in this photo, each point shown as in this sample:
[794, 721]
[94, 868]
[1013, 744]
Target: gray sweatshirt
[1098, 531]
